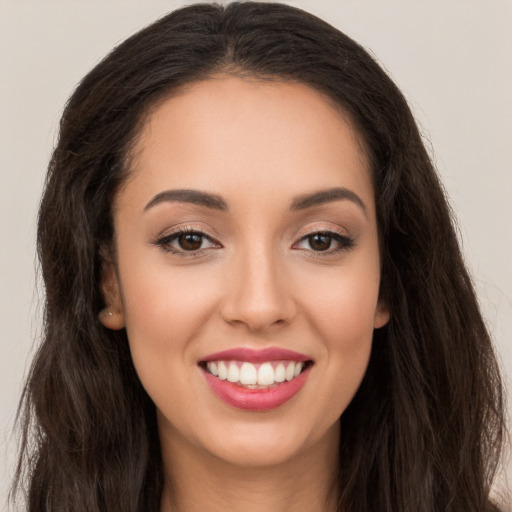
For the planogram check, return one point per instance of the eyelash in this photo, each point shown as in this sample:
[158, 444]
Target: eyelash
[165, 241]
[345, 242]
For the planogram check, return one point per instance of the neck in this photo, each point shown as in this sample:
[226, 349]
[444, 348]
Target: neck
[196, 481]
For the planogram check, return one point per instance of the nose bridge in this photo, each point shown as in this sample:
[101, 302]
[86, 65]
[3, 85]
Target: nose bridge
[257, 294]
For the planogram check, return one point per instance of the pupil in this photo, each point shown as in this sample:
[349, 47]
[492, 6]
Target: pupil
[190, 241]
[320, 242]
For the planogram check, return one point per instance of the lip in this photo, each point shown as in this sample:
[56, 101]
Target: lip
[255, 399]
[252, 355]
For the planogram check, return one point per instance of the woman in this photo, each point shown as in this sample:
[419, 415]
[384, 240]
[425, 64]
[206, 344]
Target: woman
[254, 294]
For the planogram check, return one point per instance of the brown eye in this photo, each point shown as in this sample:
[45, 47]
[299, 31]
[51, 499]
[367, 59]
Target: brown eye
[190, 241]
[328, 242]
[186, 243]
[320, 241]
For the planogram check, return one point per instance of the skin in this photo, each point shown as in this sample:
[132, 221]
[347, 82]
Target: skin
[259, 282]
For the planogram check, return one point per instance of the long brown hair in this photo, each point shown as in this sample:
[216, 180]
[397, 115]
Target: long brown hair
[424, 430]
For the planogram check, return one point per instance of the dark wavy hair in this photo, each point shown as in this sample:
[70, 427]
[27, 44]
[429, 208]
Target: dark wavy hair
[424, 431]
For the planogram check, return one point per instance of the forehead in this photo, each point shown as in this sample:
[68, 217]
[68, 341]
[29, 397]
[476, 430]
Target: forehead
[228, 132]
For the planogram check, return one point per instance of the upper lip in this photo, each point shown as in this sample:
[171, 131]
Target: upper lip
[252, 355]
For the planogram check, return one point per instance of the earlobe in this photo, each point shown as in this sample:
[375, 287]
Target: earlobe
[111, 319]
[112, 316]
[382, 315]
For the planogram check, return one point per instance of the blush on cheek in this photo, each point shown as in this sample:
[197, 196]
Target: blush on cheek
[166, 306]
[349, 311]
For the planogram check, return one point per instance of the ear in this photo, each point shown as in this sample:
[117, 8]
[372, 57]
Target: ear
[112, 316]
[382, 315]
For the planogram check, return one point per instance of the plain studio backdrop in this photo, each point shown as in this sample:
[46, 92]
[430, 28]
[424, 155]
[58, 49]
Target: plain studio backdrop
[452, 59]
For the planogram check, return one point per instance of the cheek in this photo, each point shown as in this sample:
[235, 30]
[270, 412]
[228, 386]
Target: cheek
[165, 314]
[167, 306]
[165, 310]
[341, 311]
[346, 326]
[343, 304]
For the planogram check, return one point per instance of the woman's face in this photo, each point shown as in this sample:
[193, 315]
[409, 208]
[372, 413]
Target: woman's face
[247, 227]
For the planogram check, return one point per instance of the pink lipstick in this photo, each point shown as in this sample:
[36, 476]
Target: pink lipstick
[256, 355]
[256, 380]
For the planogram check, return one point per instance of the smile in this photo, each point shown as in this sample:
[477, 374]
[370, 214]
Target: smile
[256, 380]
[255, 376]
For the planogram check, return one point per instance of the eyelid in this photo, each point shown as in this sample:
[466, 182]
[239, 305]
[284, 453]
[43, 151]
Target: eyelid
[340, 236]
[322, 228]
[167, 236]
[164, 239]
[187, 228]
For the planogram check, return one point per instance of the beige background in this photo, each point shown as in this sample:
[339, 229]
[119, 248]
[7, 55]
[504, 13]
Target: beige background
[452, 59]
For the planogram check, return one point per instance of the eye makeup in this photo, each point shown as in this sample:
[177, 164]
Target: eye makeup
[187, 241]
[191, 241]
[325, 241]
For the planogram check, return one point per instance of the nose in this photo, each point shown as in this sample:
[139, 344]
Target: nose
[258, 294]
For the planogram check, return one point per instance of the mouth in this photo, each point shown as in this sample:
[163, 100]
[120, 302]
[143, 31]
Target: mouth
[256, 375]
[256, 380]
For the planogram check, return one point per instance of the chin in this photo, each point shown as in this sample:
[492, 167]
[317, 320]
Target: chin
[263, 444]
[256, 454]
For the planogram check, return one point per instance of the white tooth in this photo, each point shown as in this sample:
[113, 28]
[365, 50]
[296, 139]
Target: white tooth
[290, 370]
[266, 375]
[223, 371]
[212, 368]
[248, 374]
[280, 373]
[233, 373]
[298, 369]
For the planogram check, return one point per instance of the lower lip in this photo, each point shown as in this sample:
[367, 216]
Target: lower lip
[256, 399]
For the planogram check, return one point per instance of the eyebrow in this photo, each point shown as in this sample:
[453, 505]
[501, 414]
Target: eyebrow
[216, 202]
[326, 196]
[189, 196]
